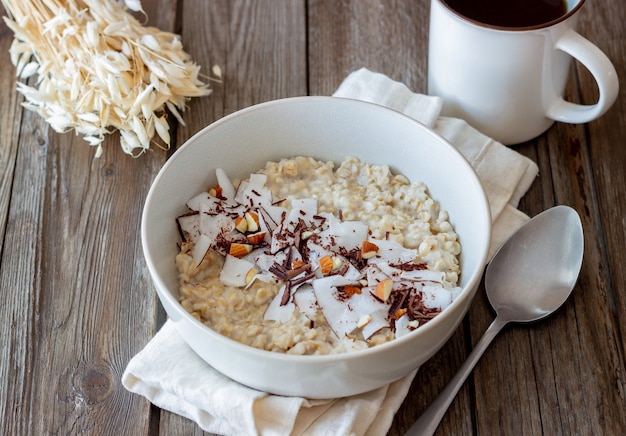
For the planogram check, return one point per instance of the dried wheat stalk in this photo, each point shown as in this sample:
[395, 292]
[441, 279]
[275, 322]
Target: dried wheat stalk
[98, 69]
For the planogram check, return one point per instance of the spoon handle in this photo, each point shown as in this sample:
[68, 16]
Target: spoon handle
[430, 419]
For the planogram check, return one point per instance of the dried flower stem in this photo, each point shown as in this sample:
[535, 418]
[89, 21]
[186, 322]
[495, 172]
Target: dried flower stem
[98, 69]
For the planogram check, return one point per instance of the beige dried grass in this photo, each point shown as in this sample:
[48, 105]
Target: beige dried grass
[98, 69]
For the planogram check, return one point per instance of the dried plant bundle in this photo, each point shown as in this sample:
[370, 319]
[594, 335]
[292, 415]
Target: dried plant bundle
[98, 69]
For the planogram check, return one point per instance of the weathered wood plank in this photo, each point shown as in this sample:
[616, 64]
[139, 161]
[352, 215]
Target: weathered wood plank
[97, 305]
[77, 302]
[20, 280]
[566, 374]
[386, 37]
[259, 46]
[9, 129]
[608, 161]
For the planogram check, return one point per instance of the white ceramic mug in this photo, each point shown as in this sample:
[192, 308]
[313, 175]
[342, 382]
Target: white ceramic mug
[509, 82]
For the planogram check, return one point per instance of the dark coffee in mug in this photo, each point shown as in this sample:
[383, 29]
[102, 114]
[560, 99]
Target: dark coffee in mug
[510, 13]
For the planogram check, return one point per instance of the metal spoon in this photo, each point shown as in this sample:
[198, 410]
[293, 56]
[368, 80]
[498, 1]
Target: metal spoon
[530, 277]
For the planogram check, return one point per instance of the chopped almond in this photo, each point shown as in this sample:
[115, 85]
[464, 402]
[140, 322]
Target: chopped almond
[368, 250]
[383, 289]
[326, 264]
[337, 263]
[253, 221]
[250, 275]
[239, 250]
[297, 264]
[363, 321]
[241, 224]
[399, 313]
[216, 191]
[256, 238]
[351, 290]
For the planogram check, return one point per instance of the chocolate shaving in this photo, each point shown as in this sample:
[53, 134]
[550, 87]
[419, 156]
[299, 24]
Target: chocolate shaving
[288, 259]
[279, 271]
[272, 224]
[340, 271]
[410, 307]
[355, 257]
[342, 295]
[303, 279]
[399, 298]
[287, 294]
[425, 317]
[410, 266]
[418, 312]
[289, 275]
[320, 218]
[293, 273]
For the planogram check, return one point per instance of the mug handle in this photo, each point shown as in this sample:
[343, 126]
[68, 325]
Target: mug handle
[600, 68]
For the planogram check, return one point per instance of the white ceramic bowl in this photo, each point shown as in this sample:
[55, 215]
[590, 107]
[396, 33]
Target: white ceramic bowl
[330, 129]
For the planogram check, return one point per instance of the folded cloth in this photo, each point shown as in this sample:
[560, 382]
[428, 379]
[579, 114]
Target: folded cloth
[173, 377]
[169, 374]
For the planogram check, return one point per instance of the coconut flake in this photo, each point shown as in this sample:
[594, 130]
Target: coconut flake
[190, 226]
[341, 319]
[234, 271]
[424, 275]
[392, 252]
[377, 323]
[252, 192]
[272, 215]
[305, 300]
[374, 275]
[365, 304]
[228, 190]
[418, 275]
[402, 326]
[436, 297]
[201, 202]
[277, 312]
[307, 209]
[348, 235]
[200, 248]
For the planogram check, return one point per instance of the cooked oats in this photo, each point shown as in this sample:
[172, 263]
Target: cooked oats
[394, 213]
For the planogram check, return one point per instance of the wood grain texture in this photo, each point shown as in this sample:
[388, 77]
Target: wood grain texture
[260, 47]
[9, 130]
[386, 37]
[76, 300]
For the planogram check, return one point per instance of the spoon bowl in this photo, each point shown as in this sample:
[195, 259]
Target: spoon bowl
[535, 271]
[529, 278]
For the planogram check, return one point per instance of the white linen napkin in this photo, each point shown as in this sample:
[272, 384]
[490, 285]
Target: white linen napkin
[169, 374]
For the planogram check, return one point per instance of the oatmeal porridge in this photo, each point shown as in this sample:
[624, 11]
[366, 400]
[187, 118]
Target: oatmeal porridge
[305, 257]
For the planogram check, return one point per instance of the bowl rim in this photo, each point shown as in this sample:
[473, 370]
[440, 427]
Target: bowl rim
[165, 293]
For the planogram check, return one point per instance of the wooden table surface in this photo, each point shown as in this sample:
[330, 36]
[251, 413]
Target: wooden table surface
[77, 302]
